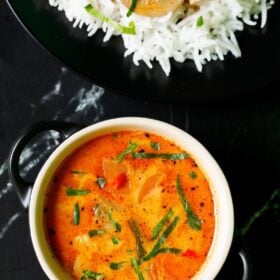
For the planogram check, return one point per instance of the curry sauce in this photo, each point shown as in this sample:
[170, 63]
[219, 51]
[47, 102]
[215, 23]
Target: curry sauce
[130, 205]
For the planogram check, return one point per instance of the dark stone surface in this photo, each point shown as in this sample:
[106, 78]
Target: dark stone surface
[243, 135]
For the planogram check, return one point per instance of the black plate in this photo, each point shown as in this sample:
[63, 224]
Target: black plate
[104, 64]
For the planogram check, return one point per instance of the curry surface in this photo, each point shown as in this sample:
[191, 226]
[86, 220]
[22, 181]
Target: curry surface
[138, 190]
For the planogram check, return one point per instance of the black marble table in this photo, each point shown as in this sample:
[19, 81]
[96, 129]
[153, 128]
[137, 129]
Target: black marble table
[243, 135]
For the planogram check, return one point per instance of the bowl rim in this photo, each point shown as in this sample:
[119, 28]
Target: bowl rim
[224, 213]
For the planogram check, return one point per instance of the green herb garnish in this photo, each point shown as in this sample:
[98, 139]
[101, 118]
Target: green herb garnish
[139, 244]
[78, 172]
[76, 214]
[130, 29]
[193, 175]
[199, 21]
[131, 8]
[142, 155]
[155, 146]
[136, 267]
[116, 225]
[129, 149]
[116, 266]
[101, 182]
[115, 240]
[170, 250]
[158, 228]
[74, 192]
[192, 219]
[162, 239]
[93, 275]
[95, 232]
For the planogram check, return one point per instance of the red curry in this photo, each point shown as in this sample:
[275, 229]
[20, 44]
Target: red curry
[130, 205]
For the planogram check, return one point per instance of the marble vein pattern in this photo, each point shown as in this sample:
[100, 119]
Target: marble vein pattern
[84, 105]
[8, 224]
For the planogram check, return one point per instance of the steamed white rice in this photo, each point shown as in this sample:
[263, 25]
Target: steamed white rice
[163, 38]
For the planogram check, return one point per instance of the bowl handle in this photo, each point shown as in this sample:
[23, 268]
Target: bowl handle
[23, 188]
[246, 263]
[238, 264]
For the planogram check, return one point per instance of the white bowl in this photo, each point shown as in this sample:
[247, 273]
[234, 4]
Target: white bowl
[221, 195]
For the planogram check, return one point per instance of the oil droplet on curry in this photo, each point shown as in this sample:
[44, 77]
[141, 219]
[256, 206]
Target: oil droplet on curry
[130, 205]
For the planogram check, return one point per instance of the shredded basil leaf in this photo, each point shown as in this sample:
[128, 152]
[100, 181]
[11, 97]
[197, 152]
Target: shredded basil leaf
[116, 266]
[116, 225]
[142, 155]
[162, 239]
[139, 244]
[193, 175]
[170, 250]
[129, 149]
[74, 192]
[93, 275]
[95, 232]
[137, 270]
[115, 240]
[130, 29]
[155, 146]
[131, 8]
[192, 219]
[76, 214]
[78, 172]
[158, 228]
